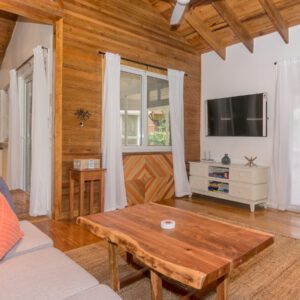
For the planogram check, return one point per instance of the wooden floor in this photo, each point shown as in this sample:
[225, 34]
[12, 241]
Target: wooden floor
[67, 235]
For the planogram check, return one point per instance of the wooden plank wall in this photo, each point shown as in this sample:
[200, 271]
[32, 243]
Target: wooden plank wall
[134, 30]
[148, 177]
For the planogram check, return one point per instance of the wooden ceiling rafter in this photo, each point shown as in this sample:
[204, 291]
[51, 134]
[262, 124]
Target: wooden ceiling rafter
[276, 18]
[203, 30]
[7, 25]
[45, 11]
[226, 22]
[234, 23]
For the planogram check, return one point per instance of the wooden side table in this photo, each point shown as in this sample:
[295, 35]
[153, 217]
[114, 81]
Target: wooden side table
[82, 176]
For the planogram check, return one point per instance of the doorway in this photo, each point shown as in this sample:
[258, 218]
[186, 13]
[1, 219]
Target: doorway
[29, 111]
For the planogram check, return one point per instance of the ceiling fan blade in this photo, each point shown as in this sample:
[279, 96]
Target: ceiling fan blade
[178, 12]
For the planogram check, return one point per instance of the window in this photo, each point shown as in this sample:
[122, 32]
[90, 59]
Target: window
[25, 93]
[145, 113]
[27, 128]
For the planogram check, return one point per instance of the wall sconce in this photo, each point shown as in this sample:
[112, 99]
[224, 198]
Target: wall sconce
[82, 115]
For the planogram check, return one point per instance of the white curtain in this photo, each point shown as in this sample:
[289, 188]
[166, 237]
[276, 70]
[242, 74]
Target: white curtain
[115, 195]
[176, 84]
[285, 171]
[14, 135]
[40, 191]
[3, 116]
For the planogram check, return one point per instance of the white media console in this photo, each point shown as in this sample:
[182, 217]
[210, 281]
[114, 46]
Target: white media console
[231, 182]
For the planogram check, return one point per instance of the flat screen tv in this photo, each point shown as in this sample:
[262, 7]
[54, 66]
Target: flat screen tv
[237, 116]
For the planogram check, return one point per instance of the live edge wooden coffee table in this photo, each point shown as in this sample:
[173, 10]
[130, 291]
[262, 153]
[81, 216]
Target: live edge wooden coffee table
[199, 252]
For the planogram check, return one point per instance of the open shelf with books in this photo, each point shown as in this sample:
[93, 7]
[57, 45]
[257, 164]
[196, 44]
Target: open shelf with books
[218, 172]
[218, 187]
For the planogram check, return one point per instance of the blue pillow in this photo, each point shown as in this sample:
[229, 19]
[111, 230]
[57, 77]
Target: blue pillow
[4, 190]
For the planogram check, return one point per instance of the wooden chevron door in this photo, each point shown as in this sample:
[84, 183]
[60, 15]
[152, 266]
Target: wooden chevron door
[148, 177]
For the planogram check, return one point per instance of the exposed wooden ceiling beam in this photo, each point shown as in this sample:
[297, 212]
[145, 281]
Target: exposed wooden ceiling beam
[234, 23]
[60, 3]
[205, 33]
[276, 18]
[7, 25]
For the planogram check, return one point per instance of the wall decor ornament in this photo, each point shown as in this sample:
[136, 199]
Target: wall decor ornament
[250, 162]
[226, 159]
[82, 115]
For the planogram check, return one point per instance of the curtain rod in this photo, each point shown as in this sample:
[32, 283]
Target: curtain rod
[144, 64]
[28, 60]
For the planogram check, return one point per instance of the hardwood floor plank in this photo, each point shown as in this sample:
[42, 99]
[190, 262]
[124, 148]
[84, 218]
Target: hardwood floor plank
[66, 235]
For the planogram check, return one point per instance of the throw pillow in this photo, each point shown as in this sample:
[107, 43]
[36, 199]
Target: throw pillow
[5, 191]
[10, 231]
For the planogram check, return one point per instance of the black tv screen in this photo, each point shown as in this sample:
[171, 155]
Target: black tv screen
[237, 116]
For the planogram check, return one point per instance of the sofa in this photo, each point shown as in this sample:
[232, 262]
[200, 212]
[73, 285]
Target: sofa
[33, 269]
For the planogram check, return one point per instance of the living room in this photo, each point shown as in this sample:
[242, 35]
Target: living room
[196, 224]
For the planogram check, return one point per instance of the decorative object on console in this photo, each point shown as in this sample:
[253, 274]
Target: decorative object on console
[250, 162]
[209, 159]
[226, 160]
[82, 115]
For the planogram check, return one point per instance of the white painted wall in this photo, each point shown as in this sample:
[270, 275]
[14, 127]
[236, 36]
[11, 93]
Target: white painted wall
[26, 36]
[244, 73]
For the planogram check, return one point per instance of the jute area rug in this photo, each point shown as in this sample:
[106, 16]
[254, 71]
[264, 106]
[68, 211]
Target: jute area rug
[272, 274]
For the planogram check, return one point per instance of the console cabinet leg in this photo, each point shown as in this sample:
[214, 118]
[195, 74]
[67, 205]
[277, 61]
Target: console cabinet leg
[252, 207]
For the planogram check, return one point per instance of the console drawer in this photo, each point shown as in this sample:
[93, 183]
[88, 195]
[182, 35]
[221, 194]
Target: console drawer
[248, 192]
[198, 169]
[249, 175]
[240, 175]
[198, 183]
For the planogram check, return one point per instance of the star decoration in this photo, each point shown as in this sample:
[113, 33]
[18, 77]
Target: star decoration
[250, 162]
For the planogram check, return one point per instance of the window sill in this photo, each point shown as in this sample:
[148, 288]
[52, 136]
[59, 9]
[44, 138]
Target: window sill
[147, 149]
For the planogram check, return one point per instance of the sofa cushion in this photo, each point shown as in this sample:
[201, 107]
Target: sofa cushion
[43, 274]
[5, 192]
[99, 292]
[33, 240]
[10, 231]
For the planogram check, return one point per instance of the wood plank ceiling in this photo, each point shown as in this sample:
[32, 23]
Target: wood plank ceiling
[215, 24]
[7, 25]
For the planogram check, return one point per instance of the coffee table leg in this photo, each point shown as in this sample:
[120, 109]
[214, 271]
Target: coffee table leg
[222, 289]
[129, 258]
[156, 286]
[113, 267]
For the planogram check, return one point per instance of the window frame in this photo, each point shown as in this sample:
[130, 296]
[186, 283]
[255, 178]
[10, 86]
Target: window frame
[25, 75]
[144, 147]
